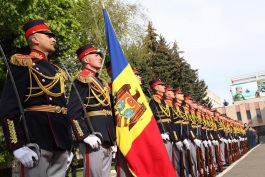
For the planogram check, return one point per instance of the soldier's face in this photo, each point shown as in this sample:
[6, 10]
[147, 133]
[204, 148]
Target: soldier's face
[170, 94]
[160, 88]
[44, 42]
[94, 61]
[179, 96]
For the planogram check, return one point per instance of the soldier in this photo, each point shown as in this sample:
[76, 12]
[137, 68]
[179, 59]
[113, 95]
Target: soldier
[161, 113]
[179, 158]
[175, 131]
[41, 90]
[190, 130]
[95, 96]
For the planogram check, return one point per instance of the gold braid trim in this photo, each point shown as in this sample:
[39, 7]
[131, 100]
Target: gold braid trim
[156, 99]
[12, 131]
[62, 72]
[21, 60]
[178, 113]
[83, 79]
[45, 88]
[95, 92]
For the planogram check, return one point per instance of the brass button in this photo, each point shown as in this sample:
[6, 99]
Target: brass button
[58, 109]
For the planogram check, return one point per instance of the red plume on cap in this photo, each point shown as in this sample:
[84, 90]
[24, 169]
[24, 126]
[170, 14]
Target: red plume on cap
[168, 88]
[85, 50]
[155, 82]
[187, 97]
[36, 26]
[177, 91]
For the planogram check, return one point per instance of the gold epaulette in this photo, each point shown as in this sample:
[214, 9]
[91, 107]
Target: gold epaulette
[83, 79]
[21, 60]
[156, 99]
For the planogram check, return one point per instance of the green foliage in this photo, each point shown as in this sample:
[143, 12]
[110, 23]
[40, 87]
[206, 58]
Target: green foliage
[5, 156]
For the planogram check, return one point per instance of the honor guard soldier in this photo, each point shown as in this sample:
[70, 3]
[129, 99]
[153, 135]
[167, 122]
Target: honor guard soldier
[40, 86]
[190, 128]
[91, 116]
[161, 113]
[175, 131]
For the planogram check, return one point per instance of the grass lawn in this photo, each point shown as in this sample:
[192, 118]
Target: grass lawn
[79, 172]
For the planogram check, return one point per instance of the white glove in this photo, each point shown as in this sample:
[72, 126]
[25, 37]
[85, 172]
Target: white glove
[229, 141]
[197, 142]
[93, 141]
[165, 136]
[226, 141]
[213, 142]
[179, 145]
[114, 151]
[186, 143]
[216, 142]
[25, 155]
[205, 143]
[222, 139]
[209, 142]
[69, 158]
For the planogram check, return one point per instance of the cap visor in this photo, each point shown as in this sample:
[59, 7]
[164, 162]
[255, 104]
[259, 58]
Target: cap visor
[47, 32]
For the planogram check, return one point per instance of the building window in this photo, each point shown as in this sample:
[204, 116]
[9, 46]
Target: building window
[239, 118]
[259, 116]
[248, 113]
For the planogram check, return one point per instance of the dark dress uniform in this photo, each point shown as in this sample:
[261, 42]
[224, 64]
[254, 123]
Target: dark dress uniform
[95, 95]
[162, 113]
[40, 86]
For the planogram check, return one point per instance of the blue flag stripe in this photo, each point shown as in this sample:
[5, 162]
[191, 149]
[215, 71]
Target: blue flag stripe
[118, 60]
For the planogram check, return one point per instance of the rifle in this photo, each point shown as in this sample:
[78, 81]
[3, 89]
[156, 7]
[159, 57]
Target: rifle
[190, 163]
[200, 161]
[181, 161]
[212, 161]
[199, 165]
[32, 146]
[231, 151]
[227, 155]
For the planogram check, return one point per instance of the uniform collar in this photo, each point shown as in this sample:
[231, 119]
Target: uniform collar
[37, 54]
[87, 72]
[168, 101]
[158, 96]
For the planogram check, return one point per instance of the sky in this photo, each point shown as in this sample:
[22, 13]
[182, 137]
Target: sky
[220, 38]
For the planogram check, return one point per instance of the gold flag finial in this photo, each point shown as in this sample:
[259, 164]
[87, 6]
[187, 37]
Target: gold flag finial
[102, 3]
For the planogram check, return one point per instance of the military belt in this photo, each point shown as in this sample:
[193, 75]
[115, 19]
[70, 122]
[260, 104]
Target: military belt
[48, 108]
[178, 122]
[163, 120]
[100, 113]
[194, 126]
[186, 122]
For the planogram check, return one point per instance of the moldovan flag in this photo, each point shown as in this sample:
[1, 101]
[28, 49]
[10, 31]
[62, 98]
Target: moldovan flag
[138, 136]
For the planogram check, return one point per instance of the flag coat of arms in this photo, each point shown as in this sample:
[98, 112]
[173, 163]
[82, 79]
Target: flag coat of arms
[138, 136]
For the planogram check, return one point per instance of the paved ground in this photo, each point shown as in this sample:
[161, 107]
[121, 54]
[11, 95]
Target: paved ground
[251, 164]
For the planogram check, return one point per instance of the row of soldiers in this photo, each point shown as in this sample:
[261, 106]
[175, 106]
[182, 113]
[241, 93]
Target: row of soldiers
[38, 121]
[199, 140]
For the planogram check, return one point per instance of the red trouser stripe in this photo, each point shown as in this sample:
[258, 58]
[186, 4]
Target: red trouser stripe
[87, 161]
[22, 170]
